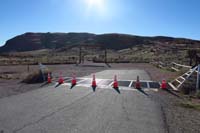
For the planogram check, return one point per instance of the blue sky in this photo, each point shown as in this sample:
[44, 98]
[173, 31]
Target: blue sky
[178, 18]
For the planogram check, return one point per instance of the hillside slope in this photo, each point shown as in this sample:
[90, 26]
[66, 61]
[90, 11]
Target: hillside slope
[36, 41]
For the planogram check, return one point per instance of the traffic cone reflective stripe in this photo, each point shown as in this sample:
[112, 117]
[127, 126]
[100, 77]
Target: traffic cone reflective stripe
[164, 85]
[49, 78]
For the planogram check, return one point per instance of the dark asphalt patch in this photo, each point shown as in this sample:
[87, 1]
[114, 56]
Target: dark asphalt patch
[154, 85]
[124, 83]
[143, 84]
[67, 78]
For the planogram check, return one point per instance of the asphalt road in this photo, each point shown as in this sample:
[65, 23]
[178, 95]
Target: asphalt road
[80, 110]
[122, 74]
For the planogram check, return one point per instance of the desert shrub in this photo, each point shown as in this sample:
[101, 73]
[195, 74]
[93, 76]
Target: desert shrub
[36, 77]
[198, 95]
[187, 88]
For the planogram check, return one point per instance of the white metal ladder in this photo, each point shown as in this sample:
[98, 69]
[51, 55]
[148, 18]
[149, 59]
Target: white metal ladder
[181, 79]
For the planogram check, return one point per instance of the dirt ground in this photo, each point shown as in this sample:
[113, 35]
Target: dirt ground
[177, 118]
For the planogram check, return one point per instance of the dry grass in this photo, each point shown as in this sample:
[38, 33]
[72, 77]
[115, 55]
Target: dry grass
[137, 54]
[190, 105]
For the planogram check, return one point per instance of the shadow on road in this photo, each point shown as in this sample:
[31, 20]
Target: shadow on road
[143, 92]
[94, 88]
[44, 84]
[57, 85]
[72, 86]
[108, 65]
[117, 90]
[172, 93]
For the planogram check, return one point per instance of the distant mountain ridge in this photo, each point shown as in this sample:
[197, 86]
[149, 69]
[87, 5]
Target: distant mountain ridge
[36, 41]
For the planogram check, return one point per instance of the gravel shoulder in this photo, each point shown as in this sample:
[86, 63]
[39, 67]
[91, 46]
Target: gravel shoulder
[178, 119]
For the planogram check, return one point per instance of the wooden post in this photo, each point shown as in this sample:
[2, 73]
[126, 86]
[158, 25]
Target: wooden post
[42, 68]
[198, 72]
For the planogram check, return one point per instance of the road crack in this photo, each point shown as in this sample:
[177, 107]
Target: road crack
[124, 108]
[164, 119]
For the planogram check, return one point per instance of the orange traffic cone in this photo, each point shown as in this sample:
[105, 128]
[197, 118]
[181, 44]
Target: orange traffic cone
[61, 80]
[137, 84]
[115, 84]
[49, 78]
[163, 85]
[73, 80]
[94, 84]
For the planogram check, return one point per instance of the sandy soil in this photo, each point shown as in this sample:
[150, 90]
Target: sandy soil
[177, 118]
